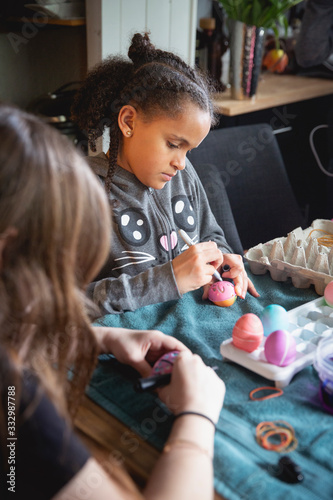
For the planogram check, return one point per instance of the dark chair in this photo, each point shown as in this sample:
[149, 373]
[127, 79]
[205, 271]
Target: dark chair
[246, 163]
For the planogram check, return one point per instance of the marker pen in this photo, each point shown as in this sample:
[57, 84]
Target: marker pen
[150, 383]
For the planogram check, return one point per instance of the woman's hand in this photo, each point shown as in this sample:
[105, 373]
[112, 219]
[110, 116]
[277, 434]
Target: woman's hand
[193, 387]
[137, 348]
[238, 274]
[195, 266]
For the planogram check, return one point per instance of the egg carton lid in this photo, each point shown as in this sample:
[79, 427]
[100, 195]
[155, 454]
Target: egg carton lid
[305, 347]
[298, 256]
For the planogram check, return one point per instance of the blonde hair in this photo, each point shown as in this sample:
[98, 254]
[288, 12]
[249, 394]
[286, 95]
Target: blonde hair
[61, 232]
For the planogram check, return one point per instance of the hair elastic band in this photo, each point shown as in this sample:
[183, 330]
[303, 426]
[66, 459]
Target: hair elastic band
[197, 414]
[278, 393]
[326, 241]
[278, 430]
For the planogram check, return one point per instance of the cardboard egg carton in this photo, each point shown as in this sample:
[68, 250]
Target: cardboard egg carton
[298, 256]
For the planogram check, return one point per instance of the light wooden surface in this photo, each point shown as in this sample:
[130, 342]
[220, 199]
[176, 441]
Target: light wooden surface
[275, 90]
[110, 441]
[48, 20]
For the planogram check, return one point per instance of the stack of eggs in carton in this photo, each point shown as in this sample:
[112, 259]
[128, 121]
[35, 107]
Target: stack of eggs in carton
[279, 348]
[299, 256]
[278, 344]
[277, 361]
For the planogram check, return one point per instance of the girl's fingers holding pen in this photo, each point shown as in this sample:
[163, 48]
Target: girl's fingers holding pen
[194, 267]
[210, 252]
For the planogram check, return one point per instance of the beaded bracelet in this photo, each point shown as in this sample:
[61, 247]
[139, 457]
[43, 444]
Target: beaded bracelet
[184, 443]
[183, 413]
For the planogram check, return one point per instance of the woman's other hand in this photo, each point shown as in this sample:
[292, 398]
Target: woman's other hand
[137, 348]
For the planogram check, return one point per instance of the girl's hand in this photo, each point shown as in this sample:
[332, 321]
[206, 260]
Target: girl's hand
[193, 387]
[195, 266]
[137, 348]
[238, 274]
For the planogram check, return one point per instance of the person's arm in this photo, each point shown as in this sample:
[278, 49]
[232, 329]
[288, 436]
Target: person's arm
[94, 483]
[315, 41]
[184, 470]
[128, 293]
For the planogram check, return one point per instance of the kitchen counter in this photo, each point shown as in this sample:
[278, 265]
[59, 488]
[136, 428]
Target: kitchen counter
[275, 90]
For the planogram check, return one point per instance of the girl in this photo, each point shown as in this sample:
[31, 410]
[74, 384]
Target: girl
[54, 237]
[157, 109]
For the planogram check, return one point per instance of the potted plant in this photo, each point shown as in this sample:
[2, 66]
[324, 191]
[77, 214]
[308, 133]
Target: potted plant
[248, 21]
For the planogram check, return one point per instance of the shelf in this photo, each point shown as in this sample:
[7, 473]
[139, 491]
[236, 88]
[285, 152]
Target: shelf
[275, 90]
[59, 22]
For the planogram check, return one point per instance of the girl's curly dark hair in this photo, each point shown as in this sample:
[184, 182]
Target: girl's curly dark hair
[154, 81]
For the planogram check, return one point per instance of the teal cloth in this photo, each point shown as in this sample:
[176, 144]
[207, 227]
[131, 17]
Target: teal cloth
[243, 469]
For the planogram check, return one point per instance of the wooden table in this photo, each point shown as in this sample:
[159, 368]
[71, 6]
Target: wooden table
[80, 21]
[108, 438]
[275, 90]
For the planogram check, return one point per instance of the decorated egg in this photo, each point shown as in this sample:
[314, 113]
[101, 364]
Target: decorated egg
[165, 363]
[280, 348]
[248, 332]
[328, 294]
[222, 293]
[274, 317]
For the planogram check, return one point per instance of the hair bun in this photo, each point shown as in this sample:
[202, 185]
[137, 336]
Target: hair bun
[141, 49]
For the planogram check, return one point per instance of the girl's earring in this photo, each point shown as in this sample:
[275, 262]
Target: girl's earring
[129, 133]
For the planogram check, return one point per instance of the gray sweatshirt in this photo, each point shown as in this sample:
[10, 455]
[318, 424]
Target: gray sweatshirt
[145, 237]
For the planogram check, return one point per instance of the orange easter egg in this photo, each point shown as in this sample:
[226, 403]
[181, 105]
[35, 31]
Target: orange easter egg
[248, 332]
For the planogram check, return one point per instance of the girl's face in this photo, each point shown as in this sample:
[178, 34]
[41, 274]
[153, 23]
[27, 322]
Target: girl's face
[156, 150]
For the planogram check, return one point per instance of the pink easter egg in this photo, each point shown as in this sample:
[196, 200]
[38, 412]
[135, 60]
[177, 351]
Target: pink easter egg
[248, 332]
[280, 348]
[222, 293]
[328, 294]
[165, 363]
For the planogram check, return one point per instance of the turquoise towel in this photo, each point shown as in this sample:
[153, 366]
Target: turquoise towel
[243, 469]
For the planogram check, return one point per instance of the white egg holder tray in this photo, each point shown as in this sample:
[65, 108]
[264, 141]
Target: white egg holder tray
[297, 256]
[308, 324]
